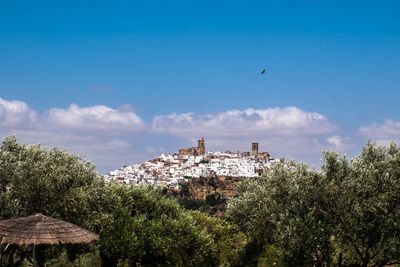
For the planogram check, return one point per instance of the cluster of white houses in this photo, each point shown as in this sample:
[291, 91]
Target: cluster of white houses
[173, 169]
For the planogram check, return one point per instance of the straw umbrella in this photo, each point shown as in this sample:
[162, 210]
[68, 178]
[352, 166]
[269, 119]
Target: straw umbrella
[39, 229]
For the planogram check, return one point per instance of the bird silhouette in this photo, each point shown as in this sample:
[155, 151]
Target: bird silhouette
[263, 71]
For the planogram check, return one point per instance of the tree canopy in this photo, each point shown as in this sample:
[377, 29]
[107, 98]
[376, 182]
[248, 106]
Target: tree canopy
[34, 179]
[151, 229]
[53, 182]
[137, 225]
[347, 213]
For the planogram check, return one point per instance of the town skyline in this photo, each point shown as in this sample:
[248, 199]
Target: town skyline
[172, 169]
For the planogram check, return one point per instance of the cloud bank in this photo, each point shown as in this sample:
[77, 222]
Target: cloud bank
[112, 137]
[288, 131]
[289, 121]
[99, 132]
[383, 134]
[16, 114]
[99, 119]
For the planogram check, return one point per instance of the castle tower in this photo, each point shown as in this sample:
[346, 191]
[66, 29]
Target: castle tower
[201, 148]
[254, 149]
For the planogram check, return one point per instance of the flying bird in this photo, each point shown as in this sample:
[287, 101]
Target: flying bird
[263, 71]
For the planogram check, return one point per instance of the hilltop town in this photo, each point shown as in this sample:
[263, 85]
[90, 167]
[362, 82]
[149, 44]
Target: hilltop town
[172, 169]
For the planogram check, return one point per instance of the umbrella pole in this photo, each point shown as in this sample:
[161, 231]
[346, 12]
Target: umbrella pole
[34, 256]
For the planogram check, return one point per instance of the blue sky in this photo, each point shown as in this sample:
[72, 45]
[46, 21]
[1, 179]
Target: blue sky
[123, 82]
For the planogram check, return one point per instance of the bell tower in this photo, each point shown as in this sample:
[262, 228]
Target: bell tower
[201, 148]
[254, 149]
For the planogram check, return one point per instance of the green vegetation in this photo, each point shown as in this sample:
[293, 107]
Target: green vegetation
[345, 214]
[193, 204]
[213, 204]
[228, 240]
[150, 229]
[52, 182]
[137, 225]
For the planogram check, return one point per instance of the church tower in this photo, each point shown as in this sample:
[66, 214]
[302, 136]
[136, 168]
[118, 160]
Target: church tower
[254, 149]
[201, 148]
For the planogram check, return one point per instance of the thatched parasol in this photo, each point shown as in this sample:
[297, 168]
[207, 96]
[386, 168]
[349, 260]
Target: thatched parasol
[39, 229]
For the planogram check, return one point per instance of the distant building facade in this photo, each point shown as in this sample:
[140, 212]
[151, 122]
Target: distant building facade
[173, 169]
[254, 151]
[194, 151]
[201, 146]
[201, 150]
[245, 154]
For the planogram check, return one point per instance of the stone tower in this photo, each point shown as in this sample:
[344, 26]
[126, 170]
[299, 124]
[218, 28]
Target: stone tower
[201, 148]
[254, 149]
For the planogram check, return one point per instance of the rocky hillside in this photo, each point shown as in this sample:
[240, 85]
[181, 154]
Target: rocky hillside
[223, 186]
[208, 194]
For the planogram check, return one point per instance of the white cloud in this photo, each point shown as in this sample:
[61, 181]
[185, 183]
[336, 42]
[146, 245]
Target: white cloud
[126, 108]
[100, 132]
[108, 136]
[289, 132]
[383, 134]
[16, 114]
[289, 121]
[339, 143]
[95, 118]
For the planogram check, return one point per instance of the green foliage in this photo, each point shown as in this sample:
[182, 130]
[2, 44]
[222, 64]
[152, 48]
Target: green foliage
[137, 225]
[228, 241]
[193, 204]
[150, 229]
[271, 256]
[214, 199]
[368, 211]
[184, 192]
[53, 182]
[287, 208]
[213, 204]
[91, 259]
[347, 213]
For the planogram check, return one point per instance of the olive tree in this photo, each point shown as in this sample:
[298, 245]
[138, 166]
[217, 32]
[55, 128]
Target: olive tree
[348, 212]
[35, 179]
[54, 182]
[368, 211]
[147, 228]
[228, 240]
[289, 209]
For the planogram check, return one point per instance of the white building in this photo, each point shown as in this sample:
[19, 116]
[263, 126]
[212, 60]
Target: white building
[173, 169]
